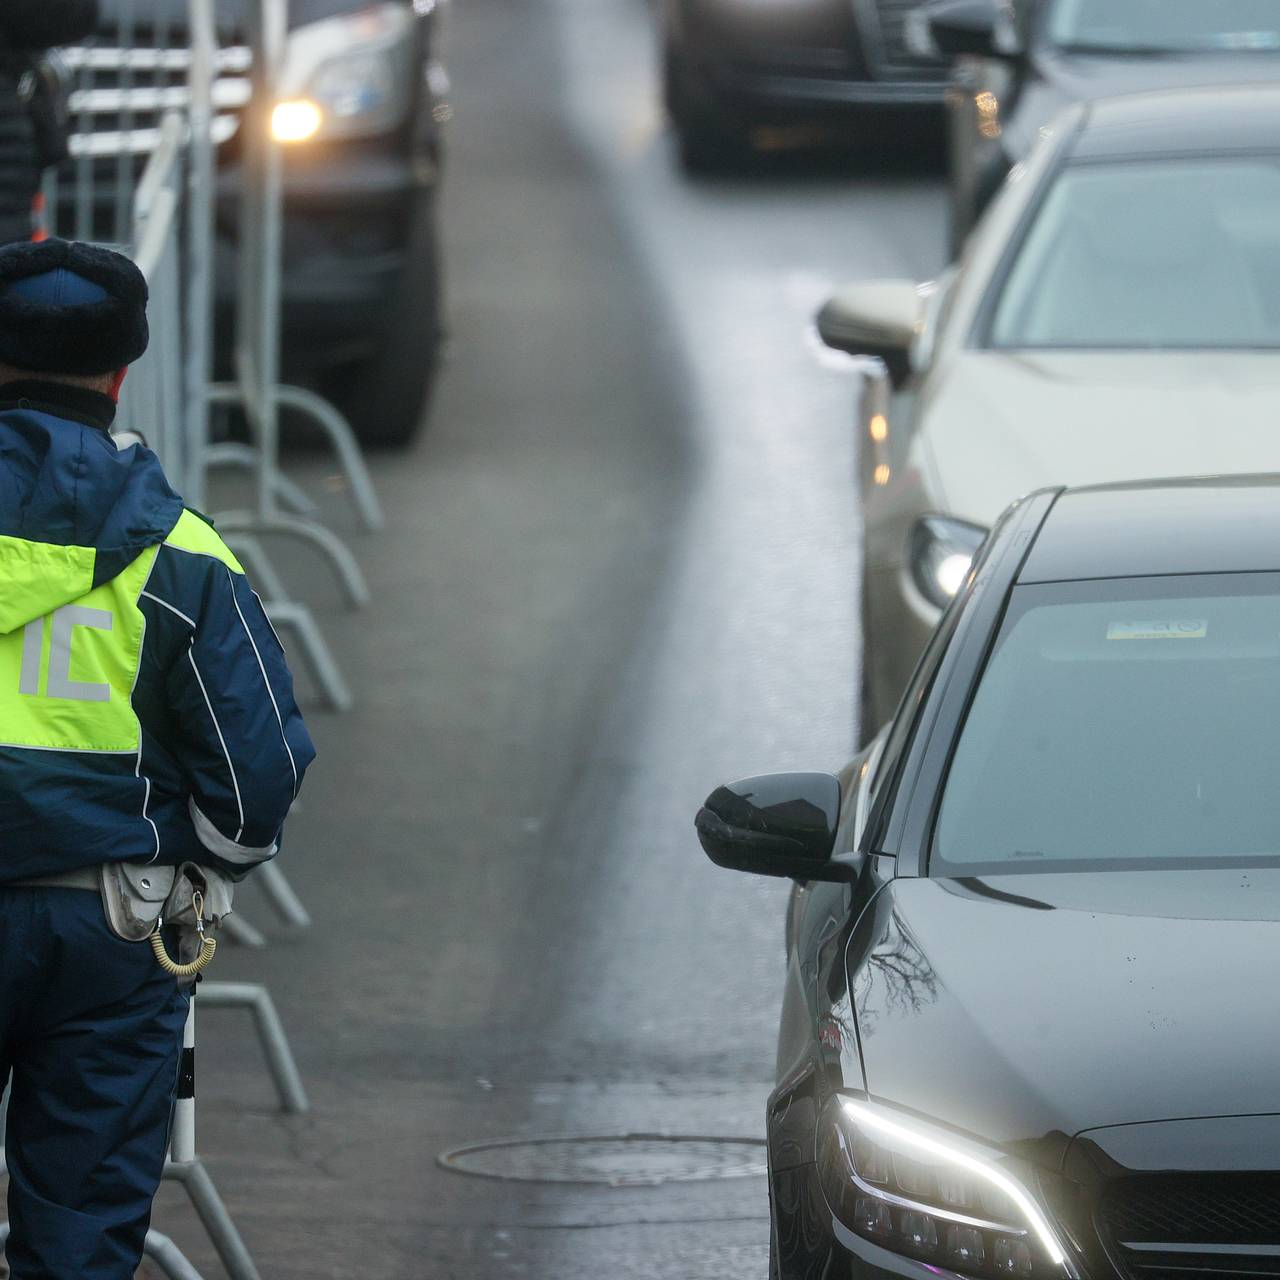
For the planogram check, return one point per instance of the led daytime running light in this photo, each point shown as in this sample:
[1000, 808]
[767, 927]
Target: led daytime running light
[866, 1116]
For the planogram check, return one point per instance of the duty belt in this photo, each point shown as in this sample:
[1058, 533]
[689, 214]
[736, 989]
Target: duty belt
[80, 878]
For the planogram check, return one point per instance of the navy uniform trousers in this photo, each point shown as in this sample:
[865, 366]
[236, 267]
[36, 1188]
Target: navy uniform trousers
[91, 1028]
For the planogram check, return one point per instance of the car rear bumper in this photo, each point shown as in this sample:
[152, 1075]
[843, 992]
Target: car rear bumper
[771, 94]
[815, 58]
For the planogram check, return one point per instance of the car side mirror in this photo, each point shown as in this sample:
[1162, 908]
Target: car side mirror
[878, 318]
[968, 27]
[782, 824]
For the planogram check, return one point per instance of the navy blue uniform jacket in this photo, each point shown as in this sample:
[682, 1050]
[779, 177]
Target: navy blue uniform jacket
[146, 710]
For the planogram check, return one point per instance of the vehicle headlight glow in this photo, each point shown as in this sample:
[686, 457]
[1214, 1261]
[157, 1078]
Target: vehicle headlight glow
[921, 1191]
[295, 121]
[940, 553]
[354, 72]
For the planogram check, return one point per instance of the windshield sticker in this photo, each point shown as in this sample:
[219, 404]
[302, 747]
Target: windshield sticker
[1176, 629]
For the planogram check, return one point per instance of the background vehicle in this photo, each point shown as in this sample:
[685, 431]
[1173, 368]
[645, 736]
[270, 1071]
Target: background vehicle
[1115, 316]
[361, 119]
[1019, 62]
[731, 65]
[1019, 1035]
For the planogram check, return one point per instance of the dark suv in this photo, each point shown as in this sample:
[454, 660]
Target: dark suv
[733, 65]
[362, 105]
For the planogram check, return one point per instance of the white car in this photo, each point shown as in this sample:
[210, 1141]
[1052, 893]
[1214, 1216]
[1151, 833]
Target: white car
[1116, 316]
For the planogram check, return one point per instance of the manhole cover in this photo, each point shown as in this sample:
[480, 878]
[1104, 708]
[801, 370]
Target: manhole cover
[622, 1160]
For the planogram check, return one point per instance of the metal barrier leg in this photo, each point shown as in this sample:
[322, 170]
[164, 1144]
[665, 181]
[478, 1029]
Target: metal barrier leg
[281, 896]
[328, 418]
[205, 1200]
[240, 931]
[267, 582]
[316, 651]
[159, 1248]
[275, 1044]
[338, 429]
[169, 1258]
[287, 614]
[245, 457]
[187, 1169]
[325, 540]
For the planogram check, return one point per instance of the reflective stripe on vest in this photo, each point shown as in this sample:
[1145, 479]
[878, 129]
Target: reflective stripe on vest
[66, 679]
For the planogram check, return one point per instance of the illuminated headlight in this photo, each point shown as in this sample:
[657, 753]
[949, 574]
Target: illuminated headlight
[922, 1191]
[296, 120]
[941, 553]
[354, 72]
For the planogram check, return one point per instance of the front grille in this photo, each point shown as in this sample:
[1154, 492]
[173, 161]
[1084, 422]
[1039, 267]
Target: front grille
[892, 52]
[1173, 1227]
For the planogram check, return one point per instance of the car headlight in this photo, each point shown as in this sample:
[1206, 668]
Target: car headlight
[347, 77]
[940, 553]
[920, 1190]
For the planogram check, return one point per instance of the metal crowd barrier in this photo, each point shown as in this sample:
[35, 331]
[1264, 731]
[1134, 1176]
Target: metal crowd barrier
[121, 90]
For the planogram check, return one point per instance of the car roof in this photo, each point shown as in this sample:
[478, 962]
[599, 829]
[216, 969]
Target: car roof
[1217, 524]
[1231, 118]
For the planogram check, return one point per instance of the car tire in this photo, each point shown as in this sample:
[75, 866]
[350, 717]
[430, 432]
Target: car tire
[386, 397]
[708, 142]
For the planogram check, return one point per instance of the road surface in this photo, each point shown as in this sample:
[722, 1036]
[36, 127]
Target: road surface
[620, 569]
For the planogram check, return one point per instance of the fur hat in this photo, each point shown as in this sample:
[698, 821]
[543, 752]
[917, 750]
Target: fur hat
[70, 308]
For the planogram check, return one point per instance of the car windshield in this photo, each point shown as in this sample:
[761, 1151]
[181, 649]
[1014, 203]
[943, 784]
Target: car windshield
[1173, 254]
[1122, 724]
[1165, 26]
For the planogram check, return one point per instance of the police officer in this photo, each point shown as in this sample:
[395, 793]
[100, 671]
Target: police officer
[146, 716]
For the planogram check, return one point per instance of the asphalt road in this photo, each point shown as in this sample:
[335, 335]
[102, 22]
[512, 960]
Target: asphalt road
[619, 570]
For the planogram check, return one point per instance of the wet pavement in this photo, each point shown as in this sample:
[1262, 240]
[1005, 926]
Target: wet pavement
[619, 569]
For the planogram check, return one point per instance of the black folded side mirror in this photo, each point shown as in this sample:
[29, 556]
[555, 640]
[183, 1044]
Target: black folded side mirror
[782, 824]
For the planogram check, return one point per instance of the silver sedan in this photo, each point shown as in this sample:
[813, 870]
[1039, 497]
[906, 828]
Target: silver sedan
[1116, 315]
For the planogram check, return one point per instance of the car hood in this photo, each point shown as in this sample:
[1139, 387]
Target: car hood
[997, 425]
[1060, 79]
[1026, 1006]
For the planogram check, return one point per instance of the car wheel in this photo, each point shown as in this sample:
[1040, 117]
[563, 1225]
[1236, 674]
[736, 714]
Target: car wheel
[386, 397]
[707, 140]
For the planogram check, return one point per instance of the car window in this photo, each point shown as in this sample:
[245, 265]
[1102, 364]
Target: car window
[1165, 26]
[1165, 254]
[1121, 724]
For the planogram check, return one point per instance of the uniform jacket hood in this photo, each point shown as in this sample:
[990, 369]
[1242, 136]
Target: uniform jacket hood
[74, 511]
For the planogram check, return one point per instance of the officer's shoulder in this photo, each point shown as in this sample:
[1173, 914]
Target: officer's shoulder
[194, 534]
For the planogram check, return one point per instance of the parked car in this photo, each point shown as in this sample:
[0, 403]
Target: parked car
[1117, 314]
[733, 65]
[1021, 1032]
[1019, 62]
[360, 118]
